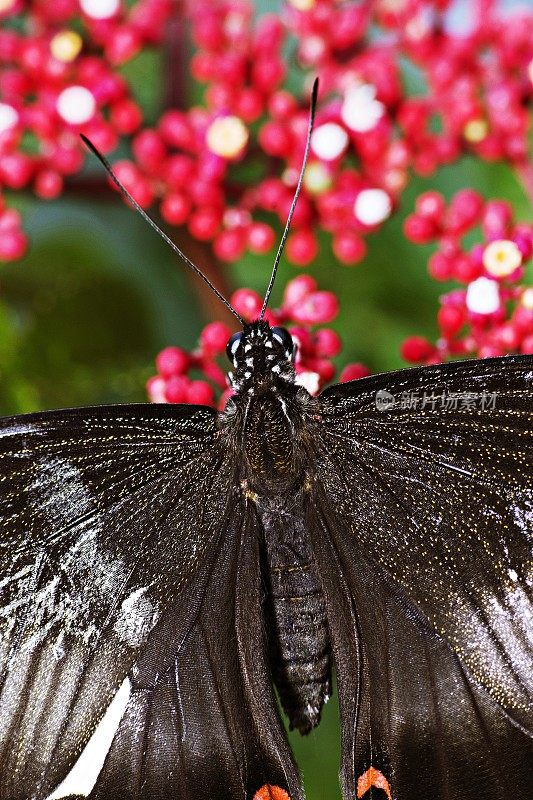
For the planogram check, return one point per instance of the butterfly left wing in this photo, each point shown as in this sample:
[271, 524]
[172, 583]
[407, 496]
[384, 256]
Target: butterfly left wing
[428, 508]
[110, 519]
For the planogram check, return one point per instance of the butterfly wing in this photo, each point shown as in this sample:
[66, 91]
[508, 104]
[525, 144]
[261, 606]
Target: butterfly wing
[204, 723]
[111, 522]
[427, 505]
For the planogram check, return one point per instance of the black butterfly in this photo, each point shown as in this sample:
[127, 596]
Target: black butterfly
[383, 529]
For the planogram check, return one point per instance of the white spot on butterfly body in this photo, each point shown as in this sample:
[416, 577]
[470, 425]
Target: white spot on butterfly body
[513, 575]
[137, 617]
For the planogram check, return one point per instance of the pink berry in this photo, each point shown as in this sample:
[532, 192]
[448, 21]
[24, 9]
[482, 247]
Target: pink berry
[212, 371]
[348, 26]
[204, 223]
[298, 288]
[176, 130]
[249, 104]
[200, 393]
[172, 361]
[214, 337]
[352, 372]
[209, 32]
[175, 208]
[149, 150]
[464, 212]
[268, 73]
[497, 218]
[282, 104]
[126, 116]
[156, 389]
[247, 303]
[13, 245]
[176, 389]
[48, 184]
[527, 345]
[506, 336]
[328, 343]
[230, 244]
[349, 247]
[16, 170]
[271, 193]
[465, 268]
[276, 139]
[302, 247]
[440, 267]
[490, 351]
[261, 237]
[431, 205]
[419, 230]
[319, 307]
[322, 366]
[416, 349]
[302, 337]
[450, 320]
[179, 170]
[123, 45]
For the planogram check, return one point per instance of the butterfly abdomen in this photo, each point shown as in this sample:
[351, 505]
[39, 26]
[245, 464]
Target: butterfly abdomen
[300, 643]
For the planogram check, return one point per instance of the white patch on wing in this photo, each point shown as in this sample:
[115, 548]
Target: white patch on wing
[523, 516]
[59, 490]
[83, 775]
[64, 597]
[137, 617]
[19, 430]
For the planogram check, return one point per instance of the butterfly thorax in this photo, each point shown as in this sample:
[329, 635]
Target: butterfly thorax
[266, 415]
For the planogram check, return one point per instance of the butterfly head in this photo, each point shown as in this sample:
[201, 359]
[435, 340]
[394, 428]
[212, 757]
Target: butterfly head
[262, 357]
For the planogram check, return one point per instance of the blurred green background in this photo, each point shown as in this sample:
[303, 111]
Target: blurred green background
[84, 314]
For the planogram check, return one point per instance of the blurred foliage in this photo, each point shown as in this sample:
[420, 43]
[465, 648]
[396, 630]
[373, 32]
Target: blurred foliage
[84, 314]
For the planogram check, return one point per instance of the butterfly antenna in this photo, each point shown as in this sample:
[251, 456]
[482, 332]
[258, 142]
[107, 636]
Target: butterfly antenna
[294, 199]
[105, 163]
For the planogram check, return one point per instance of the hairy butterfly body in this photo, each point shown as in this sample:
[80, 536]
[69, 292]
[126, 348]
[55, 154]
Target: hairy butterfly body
[383, 529]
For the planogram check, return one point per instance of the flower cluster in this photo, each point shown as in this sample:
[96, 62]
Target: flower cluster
[227, 167]
[492, 313]
[58, 76]
[368, 132]
[200, 376]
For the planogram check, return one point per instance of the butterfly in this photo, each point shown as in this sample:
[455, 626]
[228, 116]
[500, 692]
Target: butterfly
[218, 561]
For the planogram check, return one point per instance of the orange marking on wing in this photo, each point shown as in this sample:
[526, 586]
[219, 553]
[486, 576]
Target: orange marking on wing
[270, 792]
[372, 778]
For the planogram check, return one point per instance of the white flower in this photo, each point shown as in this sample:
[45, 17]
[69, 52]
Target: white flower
[329, 141]
[483, 296]
[361, 111]
[372, 206]
[8, 117]
[76, 105]
[100, 9]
